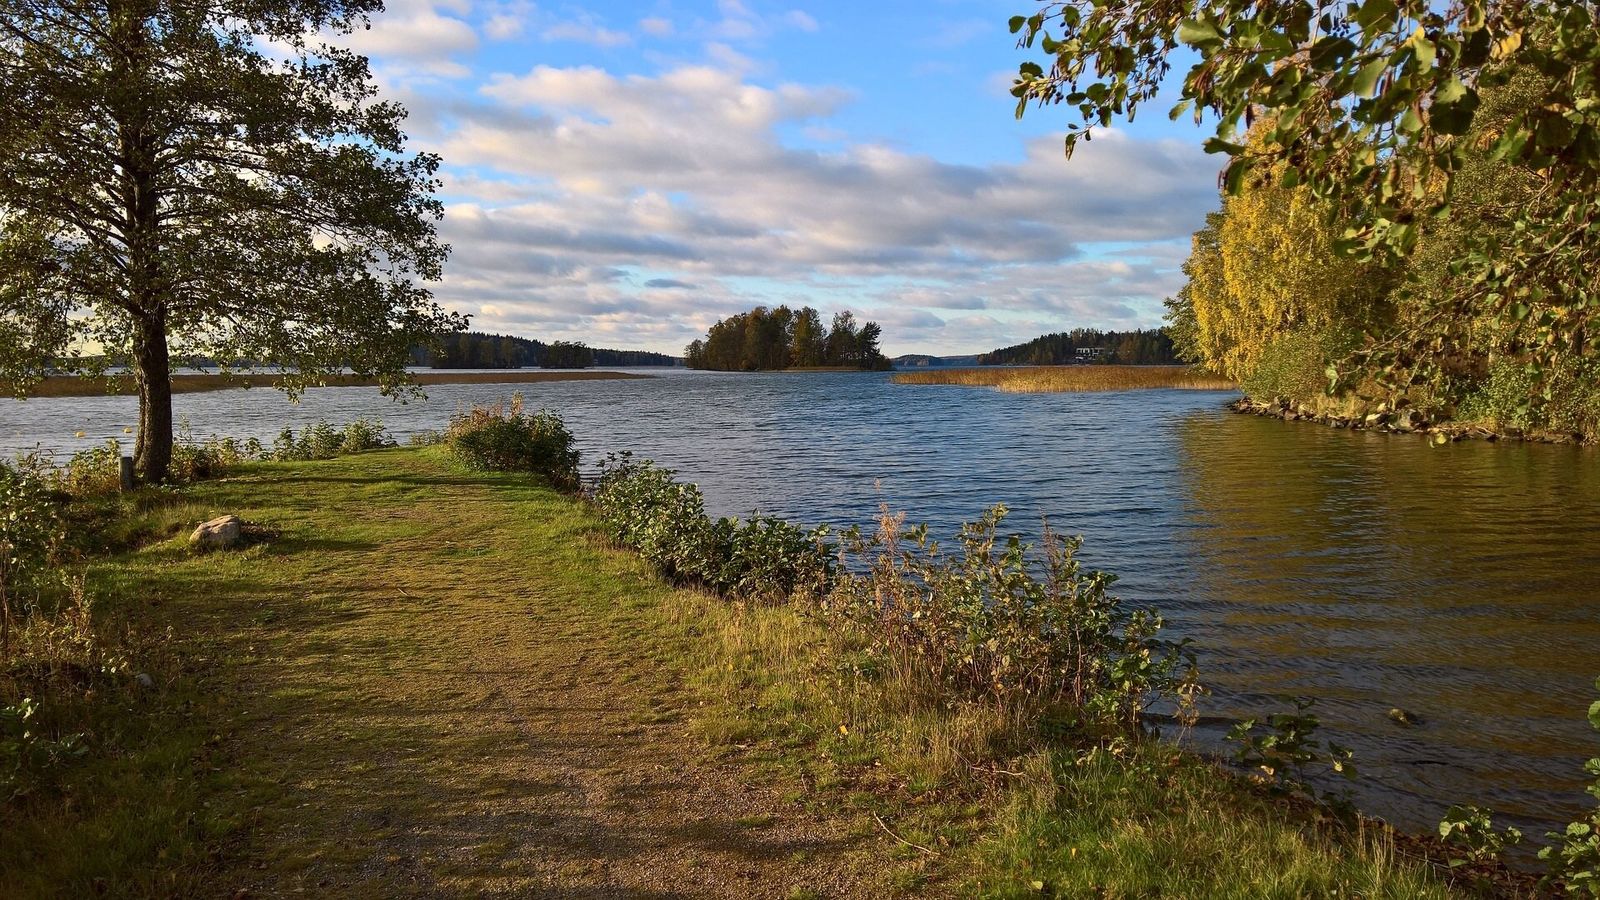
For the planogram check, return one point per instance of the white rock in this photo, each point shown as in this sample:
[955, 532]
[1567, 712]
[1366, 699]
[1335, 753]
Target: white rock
[218, 534]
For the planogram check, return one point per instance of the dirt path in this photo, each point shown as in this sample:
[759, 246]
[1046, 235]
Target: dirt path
[450, 690]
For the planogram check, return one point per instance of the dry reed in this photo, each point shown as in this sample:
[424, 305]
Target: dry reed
[1043, 379]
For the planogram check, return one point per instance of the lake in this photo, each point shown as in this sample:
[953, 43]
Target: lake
[1368, 571]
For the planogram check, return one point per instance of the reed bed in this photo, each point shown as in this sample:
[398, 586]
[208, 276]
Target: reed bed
[76, 386]
[1045, 379]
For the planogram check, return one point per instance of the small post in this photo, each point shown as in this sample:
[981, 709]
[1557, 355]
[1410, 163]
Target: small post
[127, 473]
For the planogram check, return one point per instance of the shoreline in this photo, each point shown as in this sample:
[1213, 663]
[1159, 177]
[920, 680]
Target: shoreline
[662, 662]
[1404, 421]
[82, 386]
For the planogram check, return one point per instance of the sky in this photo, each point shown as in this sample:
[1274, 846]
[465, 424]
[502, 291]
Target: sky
[626, 174]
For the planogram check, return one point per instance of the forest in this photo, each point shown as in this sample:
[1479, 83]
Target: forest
[765, 339]
[1276, 300]
[1152, 347]
[477, 350]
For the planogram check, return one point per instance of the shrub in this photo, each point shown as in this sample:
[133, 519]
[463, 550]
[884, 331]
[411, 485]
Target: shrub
[503, 438]
[322, 440]
[1281, 756]
[987, 629]
[1515, 395]
[86, 473]
[31, 536]
[1293, 366]
[26, 751]
[665, 521]
[1574, 858]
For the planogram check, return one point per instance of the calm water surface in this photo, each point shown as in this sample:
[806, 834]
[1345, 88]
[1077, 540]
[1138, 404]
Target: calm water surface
[1369, 571]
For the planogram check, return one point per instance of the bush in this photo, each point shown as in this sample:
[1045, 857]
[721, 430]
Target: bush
[503, 438]
[665, 521]
[988, 629]
[980, 624]
[1293, 366]
[1516, 396]
[31, 536]
[322, 440]
[86, 473]
[27, 753]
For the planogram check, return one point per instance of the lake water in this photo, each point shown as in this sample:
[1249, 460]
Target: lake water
[1369, 571]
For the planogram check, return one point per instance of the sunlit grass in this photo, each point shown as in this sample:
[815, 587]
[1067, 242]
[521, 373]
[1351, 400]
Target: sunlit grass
[1047, 379]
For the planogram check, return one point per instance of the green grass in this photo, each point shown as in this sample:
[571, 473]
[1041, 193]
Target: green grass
[322, 721]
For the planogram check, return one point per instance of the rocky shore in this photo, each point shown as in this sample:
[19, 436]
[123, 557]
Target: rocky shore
[1400, 421]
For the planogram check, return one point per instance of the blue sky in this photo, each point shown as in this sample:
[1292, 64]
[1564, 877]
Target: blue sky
[627, 174]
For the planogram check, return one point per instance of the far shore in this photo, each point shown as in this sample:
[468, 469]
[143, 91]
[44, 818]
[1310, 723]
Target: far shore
[78, 386]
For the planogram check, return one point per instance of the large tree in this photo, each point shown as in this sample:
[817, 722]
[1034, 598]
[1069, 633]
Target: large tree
[1371, 106]
[206, 178]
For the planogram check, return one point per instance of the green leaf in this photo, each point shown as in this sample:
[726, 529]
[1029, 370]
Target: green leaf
[1017, 22]
[1376, 16]
[1366, 83]
[1198, 33]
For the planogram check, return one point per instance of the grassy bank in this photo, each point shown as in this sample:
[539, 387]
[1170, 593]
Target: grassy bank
[1045, 379]
[429, 682]
[75, 386]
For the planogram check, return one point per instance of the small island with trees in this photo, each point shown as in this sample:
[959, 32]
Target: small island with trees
[766, 339]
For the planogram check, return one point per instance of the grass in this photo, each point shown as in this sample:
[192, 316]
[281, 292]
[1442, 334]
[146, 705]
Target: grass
[431, 682]
[1047, 379]
[76, 386]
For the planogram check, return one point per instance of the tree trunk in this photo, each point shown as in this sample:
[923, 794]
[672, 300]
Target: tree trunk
[153, 371]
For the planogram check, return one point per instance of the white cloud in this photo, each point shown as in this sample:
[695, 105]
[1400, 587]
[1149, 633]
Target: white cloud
[656, 26]
[420, 35]
[586, 32]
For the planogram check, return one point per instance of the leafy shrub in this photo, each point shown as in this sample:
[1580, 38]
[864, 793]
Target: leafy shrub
[1293, 366]
[1281, 757]
[665, 521]
[86, 473]
[26, 752]
[1470, 831]
[322, 440]
[1515, 395]
[1574, 859]
[988, 629]
[31, 536]
[503, 438]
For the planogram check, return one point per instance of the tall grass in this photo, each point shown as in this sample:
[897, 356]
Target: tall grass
[1049, 379]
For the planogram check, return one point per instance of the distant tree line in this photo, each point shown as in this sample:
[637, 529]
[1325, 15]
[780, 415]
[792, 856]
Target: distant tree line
[1151, 347]
[782, 338]
[477, 350]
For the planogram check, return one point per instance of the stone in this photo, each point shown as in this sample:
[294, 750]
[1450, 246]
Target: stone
[1402, 717]
[220, 533]
[145, 681]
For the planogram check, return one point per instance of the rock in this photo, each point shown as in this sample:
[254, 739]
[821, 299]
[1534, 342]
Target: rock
[1401, 717]
[1405, 420]
[144, 680]
[220, 533]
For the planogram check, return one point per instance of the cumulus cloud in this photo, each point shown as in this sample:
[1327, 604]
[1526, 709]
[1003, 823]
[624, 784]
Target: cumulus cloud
[422, 35]
[638, 209]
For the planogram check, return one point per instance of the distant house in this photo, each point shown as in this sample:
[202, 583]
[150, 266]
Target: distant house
[1087, 355]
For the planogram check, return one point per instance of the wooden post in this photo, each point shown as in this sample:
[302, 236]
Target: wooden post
[127, 473]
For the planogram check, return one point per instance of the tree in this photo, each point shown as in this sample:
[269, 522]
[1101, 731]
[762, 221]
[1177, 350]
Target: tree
[1372, 106]
[169, 186]
[808, 339]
